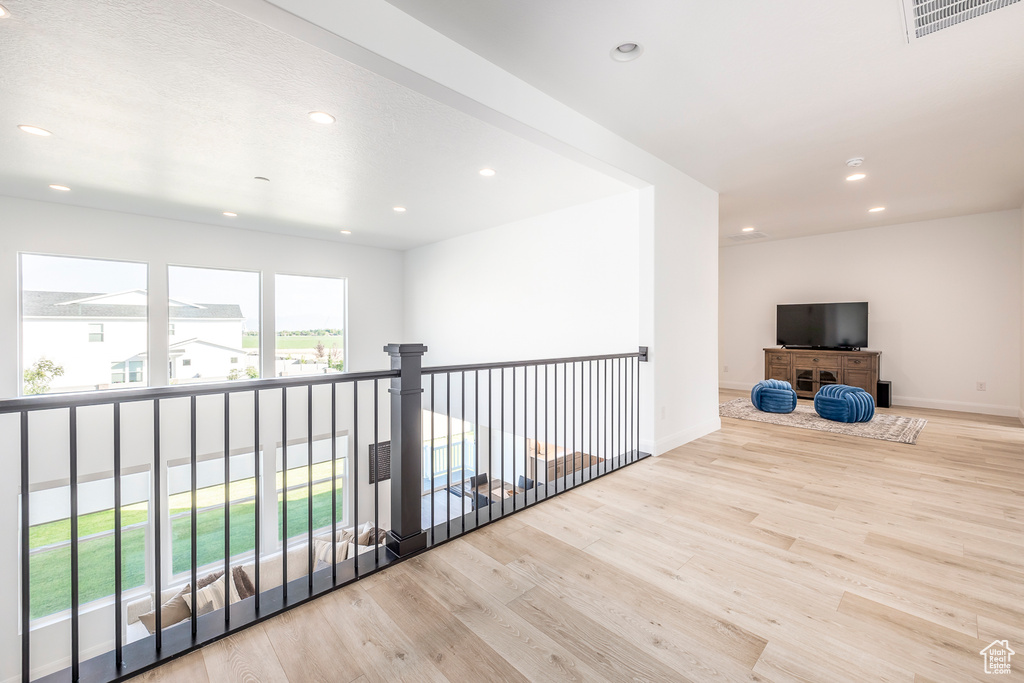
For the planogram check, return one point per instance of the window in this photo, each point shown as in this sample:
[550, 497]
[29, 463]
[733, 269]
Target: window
[210, 510]
[170, 329]
[437, 458]
[117, 375]
[214, 316]
[135, 371]
[298, 488]
[210, 501]
[50, 542]
[310, 324]
[80, 318]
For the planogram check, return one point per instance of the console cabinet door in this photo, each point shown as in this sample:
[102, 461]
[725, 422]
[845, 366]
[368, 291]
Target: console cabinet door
[859, 378]
[780, 372]
[805, 382]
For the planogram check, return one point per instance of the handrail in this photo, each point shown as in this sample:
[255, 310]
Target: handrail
[108, 396]
[441, 369]
[590, 409]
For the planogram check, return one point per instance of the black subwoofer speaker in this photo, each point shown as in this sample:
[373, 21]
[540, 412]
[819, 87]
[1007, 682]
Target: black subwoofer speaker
[884, 394]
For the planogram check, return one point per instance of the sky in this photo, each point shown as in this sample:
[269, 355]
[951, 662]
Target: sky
[301, 302]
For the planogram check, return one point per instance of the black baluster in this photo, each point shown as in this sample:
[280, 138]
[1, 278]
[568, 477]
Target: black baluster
[75, 626]
[26, 567]
[355, 476]
[284, 489]
[448, 453]
[118, 578]
[257, 460]
[158, 523]
[334, 483]
[309, 485]
[193, 469]
[376, 476]
[227, 509]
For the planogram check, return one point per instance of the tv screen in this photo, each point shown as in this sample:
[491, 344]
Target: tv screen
[823, 326]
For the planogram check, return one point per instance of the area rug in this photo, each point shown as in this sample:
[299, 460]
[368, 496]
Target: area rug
[882, 426]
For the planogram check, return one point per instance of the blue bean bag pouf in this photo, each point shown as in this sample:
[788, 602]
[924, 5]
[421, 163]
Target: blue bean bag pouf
[773, 396]
[841, 403]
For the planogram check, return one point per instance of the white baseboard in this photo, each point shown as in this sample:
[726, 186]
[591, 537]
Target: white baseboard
[1020, 415]
[958, 406]
[742, 386]
[686, 436]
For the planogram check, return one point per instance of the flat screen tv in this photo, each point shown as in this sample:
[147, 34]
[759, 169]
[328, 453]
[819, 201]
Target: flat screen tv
[822, 326]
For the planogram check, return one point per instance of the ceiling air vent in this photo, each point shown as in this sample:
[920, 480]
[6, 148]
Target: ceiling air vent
[744, 236]
[928, 16]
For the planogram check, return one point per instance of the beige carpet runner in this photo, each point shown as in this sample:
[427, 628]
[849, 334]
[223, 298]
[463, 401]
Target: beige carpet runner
[882, 426]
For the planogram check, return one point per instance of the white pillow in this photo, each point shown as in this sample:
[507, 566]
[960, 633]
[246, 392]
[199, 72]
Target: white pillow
[360, 549]
[322, 553]
[210, 598]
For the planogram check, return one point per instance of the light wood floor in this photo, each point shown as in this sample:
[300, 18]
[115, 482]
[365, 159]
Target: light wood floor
[758, 553]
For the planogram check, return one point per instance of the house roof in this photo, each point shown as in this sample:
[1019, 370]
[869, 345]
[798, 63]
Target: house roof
[57, 305]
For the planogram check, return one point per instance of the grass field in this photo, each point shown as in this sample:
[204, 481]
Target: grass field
[290, 343]
[51, 569]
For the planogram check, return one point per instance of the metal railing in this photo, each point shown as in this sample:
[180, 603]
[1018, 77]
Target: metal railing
[538, 428]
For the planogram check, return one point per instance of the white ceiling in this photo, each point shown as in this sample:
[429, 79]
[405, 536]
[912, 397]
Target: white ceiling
[171, 110]
[764, 101]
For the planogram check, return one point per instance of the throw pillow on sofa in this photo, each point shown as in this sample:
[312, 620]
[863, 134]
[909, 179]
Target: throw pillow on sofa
[176, 608]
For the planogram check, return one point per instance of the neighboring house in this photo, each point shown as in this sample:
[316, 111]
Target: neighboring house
[101, 339]
[198, 358]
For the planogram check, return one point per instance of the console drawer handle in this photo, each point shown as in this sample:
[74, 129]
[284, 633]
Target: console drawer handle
[815, 360]
[856, 362]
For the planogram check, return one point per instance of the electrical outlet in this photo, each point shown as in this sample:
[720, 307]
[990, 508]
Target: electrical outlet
[725, 368]
[982, 386]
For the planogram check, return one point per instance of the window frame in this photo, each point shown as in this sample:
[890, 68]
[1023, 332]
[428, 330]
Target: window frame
[148, 318]
[344, 336]
[146, 525]
[260, 326]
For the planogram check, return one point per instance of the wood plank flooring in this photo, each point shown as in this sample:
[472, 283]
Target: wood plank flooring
[758, 553]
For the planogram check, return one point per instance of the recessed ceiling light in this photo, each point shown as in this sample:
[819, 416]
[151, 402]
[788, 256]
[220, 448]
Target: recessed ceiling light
[60, 188]
[487, 172]
[399, 209]
[35, 130]
[230, 214]
[320, 117]
[259, 177]
[748, 229]
[627, 52]
[346, 232]
[877, 209]
[4, 13]
[857, 176]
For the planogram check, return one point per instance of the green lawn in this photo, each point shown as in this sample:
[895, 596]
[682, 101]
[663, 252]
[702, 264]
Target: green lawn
[210, 526]
[93, 523]
[51, 570]
[295, 342]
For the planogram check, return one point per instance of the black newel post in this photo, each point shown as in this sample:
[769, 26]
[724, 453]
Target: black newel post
[406, 534]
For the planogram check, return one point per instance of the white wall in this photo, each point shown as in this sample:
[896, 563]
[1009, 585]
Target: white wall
[679, 216]
[1020, 413]
[374, 275]
[562, 284]
[374, 319]
[944, 295]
